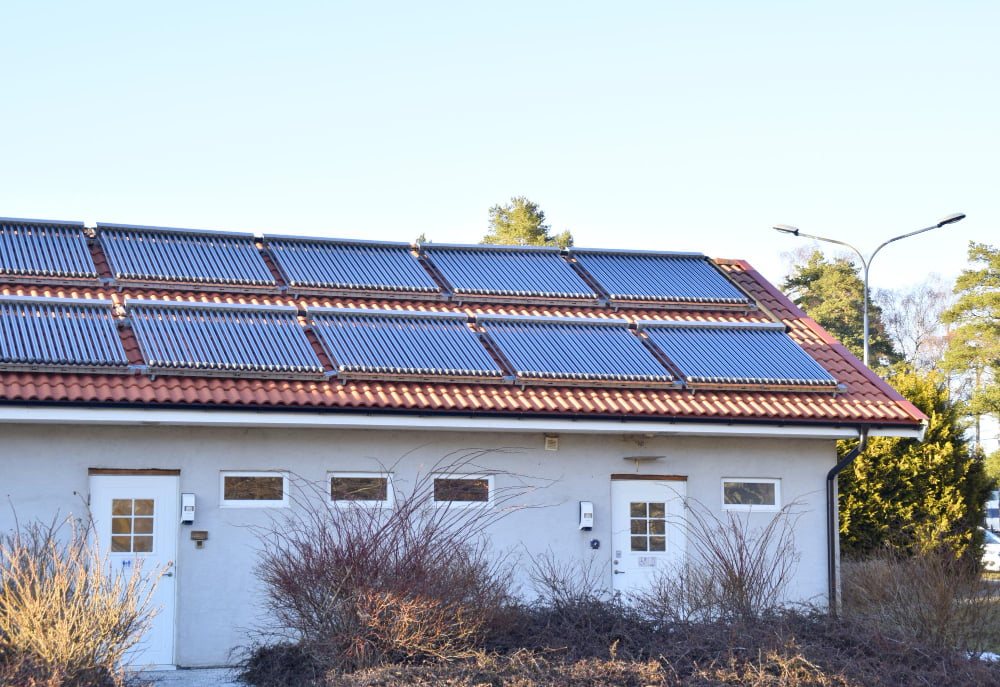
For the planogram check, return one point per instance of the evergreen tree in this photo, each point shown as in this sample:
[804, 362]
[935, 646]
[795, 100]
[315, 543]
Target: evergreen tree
[911, 495]
[522, 223]
[832, 293]
[974, 349]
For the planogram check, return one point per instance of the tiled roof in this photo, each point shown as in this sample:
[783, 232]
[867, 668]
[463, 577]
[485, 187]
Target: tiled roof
[862, 397]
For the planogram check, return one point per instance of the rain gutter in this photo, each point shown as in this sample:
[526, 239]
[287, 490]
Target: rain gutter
[832, 521]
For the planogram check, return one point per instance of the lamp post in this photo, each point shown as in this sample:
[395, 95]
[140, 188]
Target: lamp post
[866, 263]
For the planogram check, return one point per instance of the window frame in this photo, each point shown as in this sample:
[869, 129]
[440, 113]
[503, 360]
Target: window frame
[463, 504]
[361, 503]
[752, 507]
[253, 503]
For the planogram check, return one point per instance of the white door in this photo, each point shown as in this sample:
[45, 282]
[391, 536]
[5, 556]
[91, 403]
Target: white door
[647, 531]
[136, 520]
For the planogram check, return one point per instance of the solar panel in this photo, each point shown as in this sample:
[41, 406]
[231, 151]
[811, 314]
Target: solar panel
[157, 254]
[544, 349]
[403, 344]
[736, 353]
[58, 332]
[350, 265]
[43, 248]
[232, 339]
[508, 271]
[659, 277]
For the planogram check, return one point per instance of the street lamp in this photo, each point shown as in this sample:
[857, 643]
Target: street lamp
[794, 231]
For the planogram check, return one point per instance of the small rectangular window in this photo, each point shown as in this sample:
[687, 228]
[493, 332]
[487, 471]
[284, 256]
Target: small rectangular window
[254, 489]
[751, 494]
[360, 488]
[463, 489]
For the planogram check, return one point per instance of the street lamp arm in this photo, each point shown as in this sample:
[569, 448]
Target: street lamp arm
[902, 236]
[795, 232]
[866, 263]
[950, 219]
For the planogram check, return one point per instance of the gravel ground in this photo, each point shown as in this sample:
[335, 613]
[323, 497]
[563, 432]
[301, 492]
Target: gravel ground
[193, 677]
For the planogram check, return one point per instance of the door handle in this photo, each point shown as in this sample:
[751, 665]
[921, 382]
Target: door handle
[619, 572]
[168, 574]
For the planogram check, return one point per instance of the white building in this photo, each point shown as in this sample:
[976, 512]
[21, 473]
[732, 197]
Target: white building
[149, 370]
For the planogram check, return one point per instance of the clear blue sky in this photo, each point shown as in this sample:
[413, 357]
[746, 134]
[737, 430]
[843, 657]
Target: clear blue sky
[658, 125]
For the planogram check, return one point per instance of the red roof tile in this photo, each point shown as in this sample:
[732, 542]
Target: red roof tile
[866, 398]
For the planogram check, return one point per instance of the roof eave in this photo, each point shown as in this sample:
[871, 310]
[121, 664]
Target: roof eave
[202, 417]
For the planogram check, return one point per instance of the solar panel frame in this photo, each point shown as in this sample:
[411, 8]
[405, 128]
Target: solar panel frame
[341, 265]
[403, 345]
[738, 355]
[57, 250]
[233, 340]
[505, 273]
[575, 351]
[634, 276]
[196, 258]
[60, 334]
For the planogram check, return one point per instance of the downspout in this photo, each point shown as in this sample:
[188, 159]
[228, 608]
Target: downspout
[832, 530]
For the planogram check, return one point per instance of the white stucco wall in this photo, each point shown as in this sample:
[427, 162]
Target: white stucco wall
[44, 466]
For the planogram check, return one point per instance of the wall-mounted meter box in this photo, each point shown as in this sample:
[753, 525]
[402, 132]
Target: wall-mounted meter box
[586, 515]
[187, 508]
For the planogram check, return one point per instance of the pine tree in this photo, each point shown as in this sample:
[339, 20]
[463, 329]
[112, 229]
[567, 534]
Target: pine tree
[974, 349]
[522, 223]
[832, 293]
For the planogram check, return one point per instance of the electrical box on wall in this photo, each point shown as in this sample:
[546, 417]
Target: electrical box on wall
[187, 508]
[586, 515]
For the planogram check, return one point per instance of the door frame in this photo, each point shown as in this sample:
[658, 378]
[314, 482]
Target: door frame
[162, 476]
[675, 512]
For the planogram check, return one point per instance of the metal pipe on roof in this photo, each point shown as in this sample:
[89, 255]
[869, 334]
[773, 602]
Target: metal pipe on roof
[832, 521]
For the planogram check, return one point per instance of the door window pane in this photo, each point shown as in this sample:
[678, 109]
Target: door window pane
[648, 519]
[130, 532]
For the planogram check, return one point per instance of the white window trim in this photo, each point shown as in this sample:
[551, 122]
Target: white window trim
[252, 503]
[756, 508]
[464, 504]
[389, 495]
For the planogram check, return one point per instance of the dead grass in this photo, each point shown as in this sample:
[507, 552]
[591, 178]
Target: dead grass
[934, 597]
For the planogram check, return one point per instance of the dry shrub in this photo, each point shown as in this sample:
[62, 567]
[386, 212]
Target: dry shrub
[790, 650]
[574, 613]
[67, 618]
[735, 572]
[363, 586]
[935, 597]
[400, 627]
